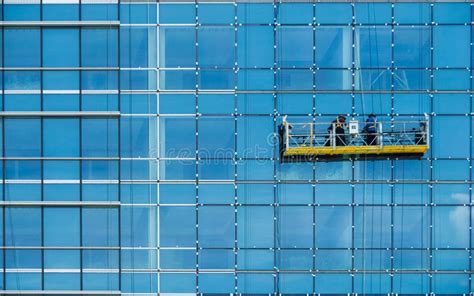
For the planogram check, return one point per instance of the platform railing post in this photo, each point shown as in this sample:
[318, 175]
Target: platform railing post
[427, 130]
[310, 135]
[380, 137]
[333, 136]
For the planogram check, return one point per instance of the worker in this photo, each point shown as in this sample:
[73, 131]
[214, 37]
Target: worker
[420, 136]
[370, 130]
[338, 126]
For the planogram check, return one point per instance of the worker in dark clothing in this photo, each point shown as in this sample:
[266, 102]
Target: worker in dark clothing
[338, 125]
[370, 130]
[420, 136]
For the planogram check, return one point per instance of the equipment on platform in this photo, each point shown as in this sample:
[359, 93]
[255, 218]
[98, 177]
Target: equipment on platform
[407, 137]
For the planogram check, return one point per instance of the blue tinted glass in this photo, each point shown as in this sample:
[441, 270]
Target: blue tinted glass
[22, 137]
[333, 13]
[177, 47]
[22, 12]
[100, 227]
[22, 102]
[374, 47]
[61, 137]
[60, 12]
[452, 13]
[99, 47]
[23, 226]
[373, 13]
[294, 13]
[138, 13]
[333, 47]
[216, 13]
[182, 13]
[451, 46]
[22, 47]
[255, 13]
[294, 46]
[255, 47]
[216, 47]
[60, 47]
[412, 47]
[412, 13]
[99, 12]
[61, 227]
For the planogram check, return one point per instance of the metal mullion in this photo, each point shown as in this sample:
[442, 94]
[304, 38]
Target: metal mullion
[276, 246]
[81, 255]
[430, 188]
[352, 162]
[42, 149]
[470, 150]
[119, 151]
[392, 161]
[235, 150]
[196, 56]
[313, 207]
[3, 148]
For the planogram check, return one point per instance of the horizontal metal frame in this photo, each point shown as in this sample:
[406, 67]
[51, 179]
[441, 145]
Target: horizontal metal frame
[309, 91]
[59, 114]
[313, 24]
[60, 68]
[59, 23]
[59, 292]
[59, 204]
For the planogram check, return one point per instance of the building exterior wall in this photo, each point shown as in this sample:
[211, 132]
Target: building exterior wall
[140, 148]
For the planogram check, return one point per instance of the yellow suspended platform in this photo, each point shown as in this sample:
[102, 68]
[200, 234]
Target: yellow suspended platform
[356, 150]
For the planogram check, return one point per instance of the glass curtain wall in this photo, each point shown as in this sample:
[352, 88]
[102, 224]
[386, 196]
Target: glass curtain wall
[139, 148]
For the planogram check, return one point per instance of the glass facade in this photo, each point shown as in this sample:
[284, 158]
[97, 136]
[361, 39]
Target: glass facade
[140, 151]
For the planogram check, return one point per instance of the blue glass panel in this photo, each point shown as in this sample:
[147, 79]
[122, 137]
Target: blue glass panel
[216, 193]
[332, 283]
[295, 226]
[255, 80]
[99, 137]
[333, 80]
[100, 281]
[60, 102]
[374, 47]
[412, 47]
[24, 102]
[333, 227]
[333, 260]
[182, 13]
[448, 129]
[60, 12]
[209, 235]
[99, 170]
[138, 13]
[373, 13]
[255, 283]
[99, 12]
[217, 80]
[216, 47]
[61, 137]
[177, 47]
[333, 103]
[23, 281]
[62, 259]
[450, 283]
[23, 259]
[295, 259]
[216, 259]
[99, 47]
[22, 226]
[255, 227]
[177, 80]
[412, 80]
[215, 13]
[411, 226]
[137, 137]
[61, 170]
[139, 282]
[99, 80]
[255, 103]
[333, 47]
[412, 13]
[177, 170]
[255, 47]
[23, 169]
[60, 80]
[17, 192]
[178, 259]
[216, 282]
[451, 46]
[294, 13]
[332, 194]
[450, 227]
[22, 137]
[294, 80]
[255, 13]
[60, 47]
[252, 142]
[178, 283]
[21, 12]
[173, 104]
[22, 80]
[451, 103]
[177, 226]
[21, 48]
[452, 80]
[61, 227]
[100, 259]
[138, 226]
[333, 13]
[138, 47]
[137, 103]
[100, 227]
[216, 137]
[62, 281]
[452, 13]
[295, 283]
[61, 192]
[294, 47]
[175, 135]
